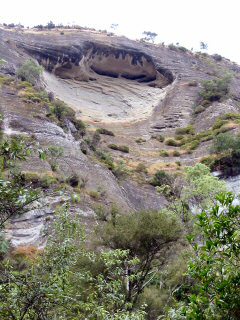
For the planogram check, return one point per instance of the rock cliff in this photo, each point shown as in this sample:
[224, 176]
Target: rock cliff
[137, 90]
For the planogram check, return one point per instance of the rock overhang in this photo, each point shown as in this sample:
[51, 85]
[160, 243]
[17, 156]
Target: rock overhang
[84, 61]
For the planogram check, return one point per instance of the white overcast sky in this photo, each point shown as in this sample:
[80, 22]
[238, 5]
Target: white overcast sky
[216, 22]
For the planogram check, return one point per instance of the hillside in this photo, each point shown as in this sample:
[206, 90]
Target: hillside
[114, 158]
[140, 92]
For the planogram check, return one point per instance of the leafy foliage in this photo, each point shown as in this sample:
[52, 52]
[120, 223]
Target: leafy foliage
[56, 286]
[215, 266]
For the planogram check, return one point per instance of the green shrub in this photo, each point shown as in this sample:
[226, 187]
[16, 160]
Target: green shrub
[96, 195]
[172, 142]
[219, 123]
[161, 178]
[231, 116]
[32, 95]
[101, 212]
[105, 131]
[47, 181]
[79, 125]
[120, 170]
[179, 138]
[163, 153]
[30, 71]
[225, 142]
[183, 49]
[186, 130]
[176, 153]
[62, 111]
[106, 158]
[44, 180]
[30, 177]
[192, 145]
[223, 129]
[24, 85]
[215, 90]
[124, 149]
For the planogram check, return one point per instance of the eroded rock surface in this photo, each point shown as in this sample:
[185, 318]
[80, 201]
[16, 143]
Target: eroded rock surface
[134, 89]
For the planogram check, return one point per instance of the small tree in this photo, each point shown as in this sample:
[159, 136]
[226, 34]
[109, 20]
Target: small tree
[114, 26]
[50, 25]
[30, 71]
[149, 36]
[203, 45]
[144, 235]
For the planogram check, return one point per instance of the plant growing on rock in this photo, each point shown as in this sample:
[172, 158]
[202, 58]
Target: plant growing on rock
[215, 90]
[54, 153]
[30, 71]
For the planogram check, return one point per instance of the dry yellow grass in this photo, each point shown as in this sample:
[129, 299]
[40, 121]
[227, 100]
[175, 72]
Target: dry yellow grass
[166, 166]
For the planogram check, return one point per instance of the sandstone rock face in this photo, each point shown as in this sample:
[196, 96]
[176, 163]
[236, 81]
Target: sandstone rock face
[134, 89]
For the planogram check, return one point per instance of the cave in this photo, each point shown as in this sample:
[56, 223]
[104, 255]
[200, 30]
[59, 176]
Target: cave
[95, 62]
[106, 83]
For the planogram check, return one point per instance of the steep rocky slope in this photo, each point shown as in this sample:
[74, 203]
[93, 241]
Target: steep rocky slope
[136, 90]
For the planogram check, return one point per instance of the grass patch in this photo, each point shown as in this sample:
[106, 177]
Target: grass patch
[37, 180]
[105, 158]
[96, 195]
[5, 80]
